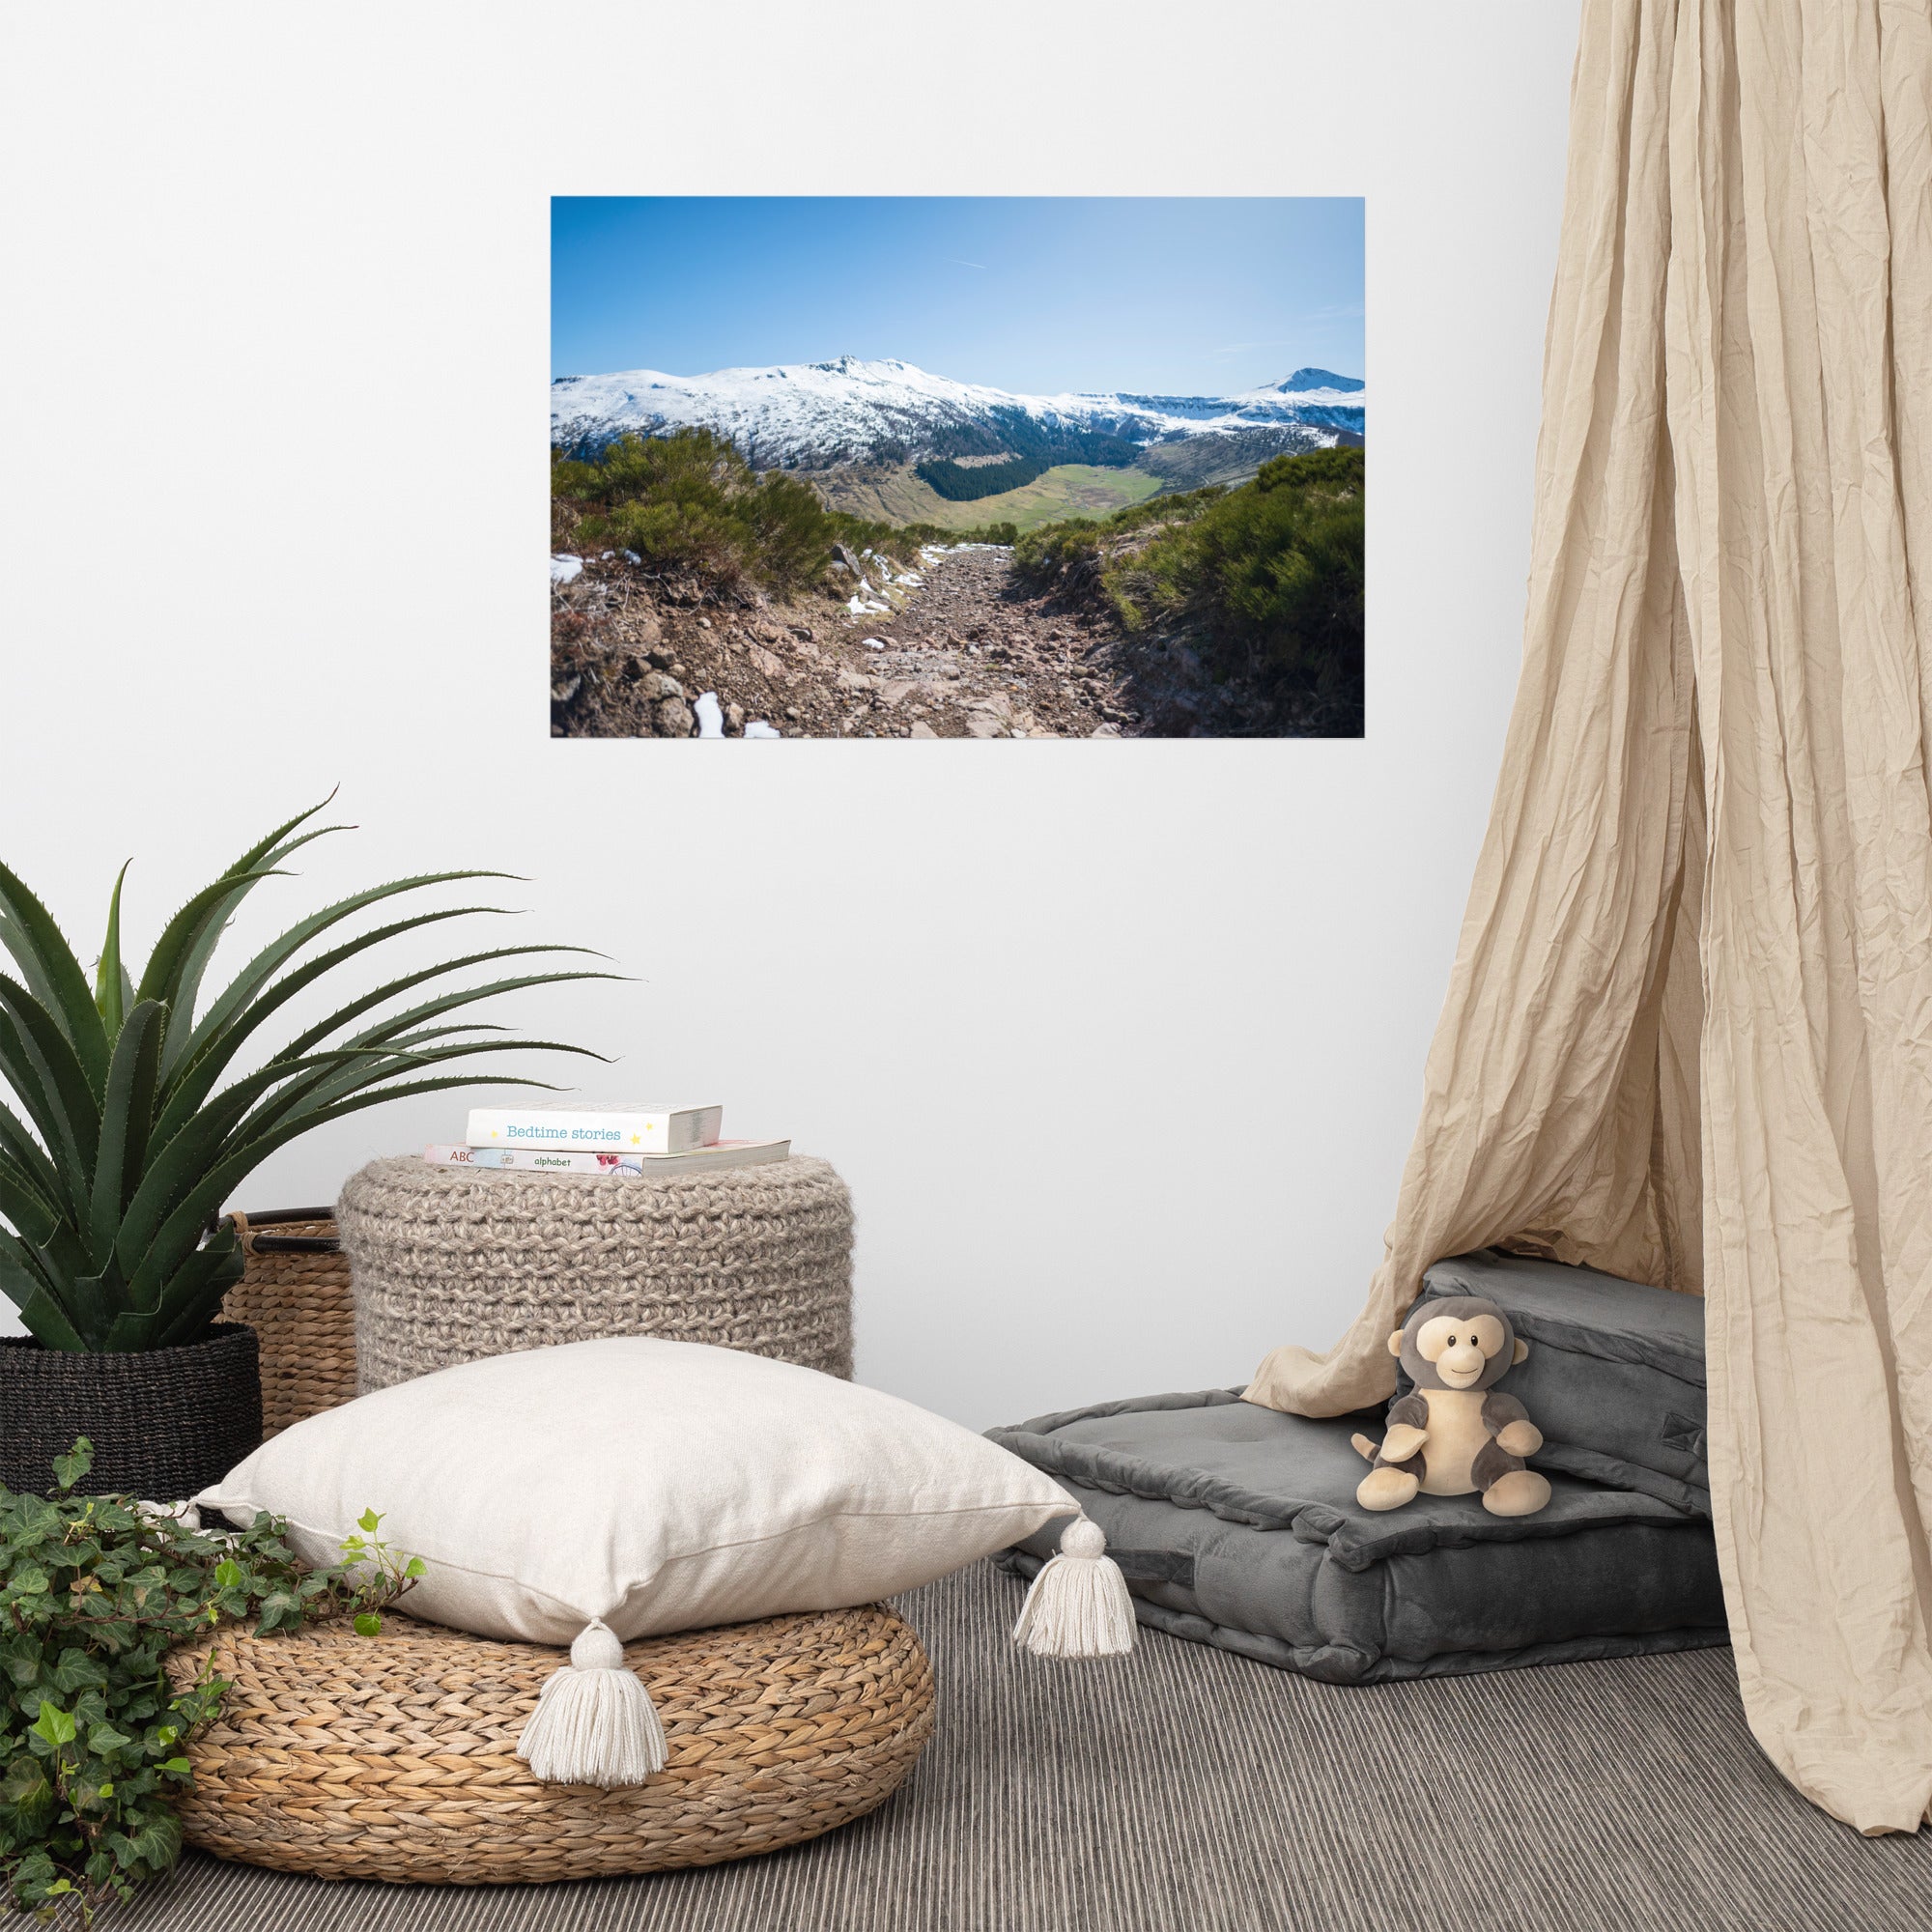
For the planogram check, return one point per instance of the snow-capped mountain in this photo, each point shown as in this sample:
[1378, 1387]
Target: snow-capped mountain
[817, 414]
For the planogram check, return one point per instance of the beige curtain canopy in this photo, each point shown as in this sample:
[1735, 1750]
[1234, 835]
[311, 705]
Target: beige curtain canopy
[1688, 1031]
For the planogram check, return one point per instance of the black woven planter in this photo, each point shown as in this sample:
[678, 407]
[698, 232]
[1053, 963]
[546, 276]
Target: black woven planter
[164, 1423]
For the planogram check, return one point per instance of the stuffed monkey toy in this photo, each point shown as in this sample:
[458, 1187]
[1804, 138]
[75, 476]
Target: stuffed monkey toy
[1456, 1434]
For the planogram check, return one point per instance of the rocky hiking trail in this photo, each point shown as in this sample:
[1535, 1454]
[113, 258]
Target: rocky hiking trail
[953, 648]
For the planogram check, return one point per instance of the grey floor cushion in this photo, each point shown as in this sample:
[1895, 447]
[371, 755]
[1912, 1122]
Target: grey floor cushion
[1615, 1374]
[1237, 1525]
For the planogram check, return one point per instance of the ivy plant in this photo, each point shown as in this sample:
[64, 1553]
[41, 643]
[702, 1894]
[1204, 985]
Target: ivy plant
[95, 1591]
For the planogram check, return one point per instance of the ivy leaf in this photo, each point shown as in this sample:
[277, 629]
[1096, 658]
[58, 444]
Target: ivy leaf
[69, 1469]
[103, 1738]
[24, 1783]
[416, 1567]
[53, 1724]
[74, 1670]
[368, 1521]
[368, 1624]
[22, 1661]
[228, 1573]
[85, 1795]
[155, 1845]
[175, 1767]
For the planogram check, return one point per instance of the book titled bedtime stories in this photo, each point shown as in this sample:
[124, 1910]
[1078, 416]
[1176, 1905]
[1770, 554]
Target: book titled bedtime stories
[540, 1160]
[626, 1129]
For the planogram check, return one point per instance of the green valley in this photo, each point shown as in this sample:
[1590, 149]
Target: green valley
[896, 495]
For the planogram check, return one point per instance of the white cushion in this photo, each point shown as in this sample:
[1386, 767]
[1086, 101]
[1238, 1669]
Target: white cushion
[655, 1486]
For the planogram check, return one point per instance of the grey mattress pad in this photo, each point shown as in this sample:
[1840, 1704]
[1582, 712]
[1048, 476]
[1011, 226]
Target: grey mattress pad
[1237, 1525]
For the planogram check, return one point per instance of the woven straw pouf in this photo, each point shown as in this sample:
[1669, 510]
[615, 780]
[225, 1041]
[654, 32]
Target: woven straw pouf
[452, 1264]
[394, 1756]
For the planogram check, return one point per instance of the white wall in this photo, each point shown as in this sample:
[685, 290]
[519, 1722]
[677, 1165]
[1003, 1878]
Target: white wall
[1119, 1045]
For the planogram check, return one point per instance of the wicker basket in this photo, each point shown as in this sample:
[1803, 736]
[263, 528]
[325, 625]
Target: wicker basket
[296, 1296]
[394, 1756]
[163, 1422]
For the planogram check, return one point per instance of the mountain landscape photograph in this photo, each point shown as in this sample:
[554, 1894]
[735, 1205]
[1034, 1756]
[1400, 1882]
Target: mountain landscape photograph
[1074, 469]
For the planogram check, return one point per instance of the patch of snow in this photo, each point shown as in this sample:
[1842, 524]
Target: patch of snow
[872, 643]
[710, 718]
[758, 729]
[825, 412]
[565, 569]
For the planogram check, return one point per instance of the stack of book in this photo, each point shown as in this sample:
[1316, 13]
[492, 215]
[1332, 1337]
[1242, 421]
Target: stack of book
[603, 1140]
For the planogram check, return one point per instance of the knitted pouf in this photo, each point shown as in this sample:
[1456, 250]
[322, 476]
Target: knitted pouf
[394, 1756]
[453, 1264]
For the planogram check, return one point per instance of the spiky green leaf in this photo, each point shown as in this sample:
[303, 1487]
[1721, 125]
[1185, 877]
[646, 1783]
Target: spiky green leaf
[265, 857]
[126, 1113]
[110, 977]
[40, 1065]
[177, 1158]
[194, 1078]
[121, 1146]
[48, 965]
[272, 957]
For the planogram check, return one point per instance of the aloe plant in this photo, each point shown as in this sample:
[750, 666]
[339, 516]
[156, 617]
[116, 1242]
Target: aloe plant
[124, 1142]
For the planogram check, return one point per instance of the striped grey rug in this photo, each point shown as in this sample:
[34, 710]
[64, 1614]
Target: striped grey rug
[1185, 1790]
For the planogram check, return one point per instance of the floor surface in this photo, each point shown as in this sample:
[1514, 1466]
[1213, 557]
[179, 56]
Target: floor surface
[1185, 1790]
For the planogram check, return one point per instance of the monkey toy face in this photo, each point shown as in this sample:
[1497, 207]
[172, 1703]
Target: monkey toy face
[1457, 1342]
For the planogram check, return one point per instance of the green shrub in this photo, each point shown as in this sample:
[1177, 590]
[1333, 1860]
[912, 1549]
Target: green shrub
[690, 502]
[95, 1591]
[674, 535]
[788, 526]
[1054, 550]
[1271, 572]
[1283, 565]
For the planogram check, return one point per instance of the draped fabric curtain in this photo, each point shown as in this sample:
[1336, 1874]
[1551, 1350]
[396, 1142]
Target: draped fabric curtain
[1688, 1031]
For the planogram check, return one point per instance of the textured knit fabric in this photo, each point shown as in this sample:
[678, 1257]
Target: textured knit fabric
[1185, 1790]
[1687, 1037]
[453, 1264]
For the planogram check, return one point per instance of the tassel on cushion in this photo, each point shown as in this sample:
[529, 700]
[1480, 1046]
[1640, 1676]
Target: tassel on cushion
[594, 1722]
[1078, 1606]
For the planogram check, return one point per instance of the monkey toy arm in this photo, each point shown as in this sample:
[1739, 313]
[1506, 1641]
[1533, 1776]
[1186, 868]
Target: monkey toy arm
[1508, 1421]
[1408, 1429]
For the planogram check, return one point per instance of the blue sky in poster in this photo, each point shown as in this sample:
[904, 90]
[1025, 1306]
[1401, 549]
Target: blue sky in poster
[1038, 295]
